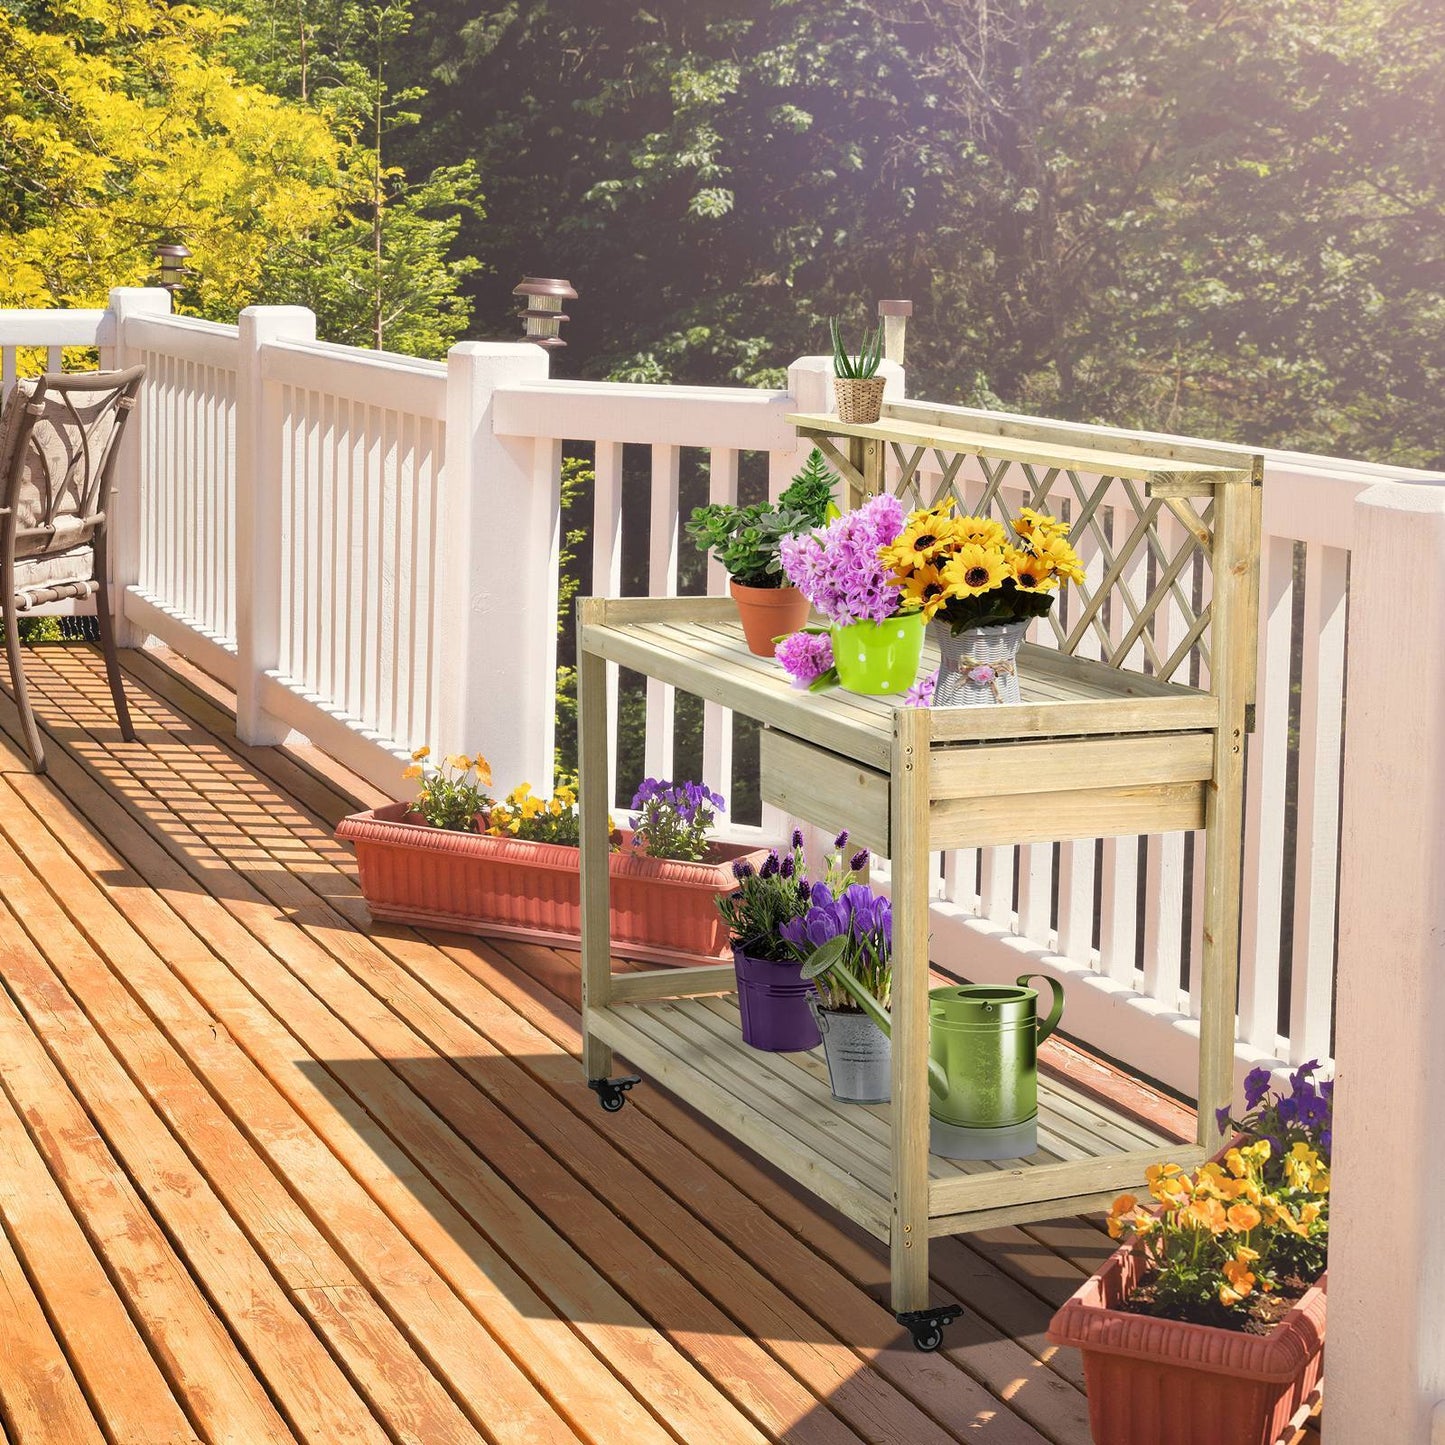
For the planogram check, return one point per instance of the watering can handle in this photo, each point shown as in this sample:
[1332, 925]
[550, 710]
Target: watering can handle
[1055, 1013]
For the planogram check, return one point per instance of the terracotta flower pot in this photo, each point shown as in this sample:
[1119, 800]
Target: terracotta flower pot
[768, 612]
[513, 888]
[1164, 1380]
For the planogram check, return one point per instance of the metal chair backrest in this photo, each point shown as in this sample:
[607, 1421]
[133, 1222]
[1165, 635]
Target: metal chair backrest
[58, 448]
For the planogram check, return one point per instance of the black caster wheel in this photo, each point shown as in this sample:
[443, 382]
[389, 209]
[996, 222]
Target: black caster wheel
[926, 1326]
[612, 1093]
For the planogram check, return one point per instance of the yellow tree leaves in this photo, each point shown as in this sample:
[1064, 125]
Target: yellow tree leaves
[120, 126]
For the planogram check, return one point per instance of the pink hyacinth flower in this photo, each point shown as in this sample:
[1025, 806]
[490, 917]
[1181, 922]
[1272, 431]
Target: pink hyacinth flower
[981, 673]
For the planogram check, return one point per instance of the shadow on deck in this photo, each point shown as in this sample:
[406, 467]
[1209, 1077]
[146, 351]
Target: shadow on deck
[270, 1173]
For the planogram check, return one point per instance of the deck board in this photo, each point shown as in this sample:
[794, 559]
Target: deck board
[380, 1142]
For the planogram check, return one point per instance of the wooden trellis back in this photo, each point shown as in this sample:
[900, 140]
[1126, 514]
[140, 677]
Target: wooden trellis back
[1144, 525]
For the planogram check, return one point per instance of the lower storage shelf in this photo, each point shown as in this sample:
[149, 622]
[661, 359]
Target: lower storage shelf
[780, 1105]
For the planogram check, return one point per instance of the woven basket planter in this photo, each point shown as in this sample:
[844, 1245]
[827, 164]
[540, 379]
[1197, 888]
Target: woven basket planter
[512, 888]
[860, 399]
[1164, 1380]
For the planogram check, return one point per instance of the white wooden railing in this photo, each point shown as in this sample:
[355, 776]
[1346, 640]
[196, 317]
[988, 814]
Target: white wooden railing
[364, 546]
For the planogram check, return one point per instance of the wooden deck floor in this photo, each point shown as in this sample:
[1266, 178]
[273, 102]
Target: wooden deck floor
[269, 1173]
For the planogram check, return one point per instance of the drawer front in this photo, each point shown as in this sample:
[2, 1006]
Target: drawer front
[824, 788]
[992, 770]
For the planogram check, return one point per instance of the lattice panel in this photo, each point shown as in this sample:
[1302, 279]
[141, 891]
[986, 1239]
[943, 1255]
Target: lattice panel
[1145, 605]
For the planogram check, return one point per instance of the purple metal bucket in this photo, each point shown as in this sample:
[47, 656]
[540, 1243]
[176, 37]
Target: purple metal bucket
[773, 999]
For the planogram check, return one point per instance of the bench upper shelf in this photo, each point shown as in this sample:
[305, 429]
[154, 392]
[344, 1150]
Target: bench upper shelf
[695, 643]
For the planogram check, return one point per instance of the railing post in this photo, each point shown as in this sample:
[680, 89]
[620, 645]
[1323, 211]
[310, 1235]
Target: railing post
[258, 524]
[497, 581]
[117, 351]
[1387, 1236]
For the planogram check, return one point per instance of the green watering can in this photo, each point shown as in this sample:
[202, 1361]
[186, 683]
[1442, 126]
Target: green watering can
[983, 1070]
[983, 1039]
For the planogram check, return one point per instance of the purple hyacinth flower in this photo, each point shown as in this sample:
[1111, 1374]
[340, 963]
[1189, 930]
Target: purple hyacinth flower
[859, 861]
[788, 867]
[742, 869]
[841, 841]
[770, 866]
[1221, 1118]
[797, 839]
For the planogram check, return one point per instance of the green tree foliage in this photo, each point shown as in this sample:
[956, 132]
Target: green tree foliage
[1178, 213]
[121, 124]
[385, 272]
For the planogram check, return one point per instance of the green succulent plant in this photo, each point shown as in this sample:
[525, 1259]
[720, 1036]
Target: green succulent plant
[746, 540]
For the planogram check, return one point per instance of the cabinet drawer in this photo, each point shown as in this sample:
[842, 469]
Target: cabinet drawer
[824, 788]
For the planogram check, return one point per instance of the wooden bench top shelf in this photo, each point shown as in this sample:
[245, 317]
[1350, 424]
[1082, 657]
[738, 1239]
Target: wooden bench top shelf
[1118, 743]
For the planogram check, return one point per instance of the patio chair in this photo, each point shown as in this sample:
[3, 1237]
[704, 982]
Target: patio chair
[59, 437]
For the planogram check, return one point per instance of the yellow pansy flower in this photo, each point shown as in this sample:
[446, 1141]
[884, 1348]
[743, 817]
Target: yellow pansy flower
[1243, 1217]
[414, 771]
[420, 753]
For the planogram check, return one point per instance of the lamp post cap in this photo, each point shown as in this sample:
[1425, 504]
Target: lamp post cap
[895, 308]
[173, 248]
[545, 286]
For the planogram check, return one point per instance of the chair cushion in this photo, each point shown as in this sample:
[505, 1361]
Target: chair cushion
[51, 485]
[55, 570]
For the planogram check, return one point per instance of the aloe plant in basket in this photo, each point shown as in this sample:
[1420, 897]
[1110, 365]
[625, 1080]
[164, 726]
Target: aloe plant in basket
[746, 541]
[856, 382]
[454, 858]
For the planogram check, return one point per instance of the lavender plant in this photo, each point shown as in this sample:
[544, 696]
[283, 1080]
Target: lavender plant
[775, 895]
[672, 820]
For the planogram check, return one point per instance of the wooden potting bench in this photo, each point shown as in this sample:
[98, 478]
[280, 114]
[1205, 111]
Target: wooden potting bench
[1144, 736]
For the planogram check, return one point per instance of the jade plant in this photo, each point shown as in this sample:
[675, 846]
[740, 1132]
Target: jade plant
[746, 540]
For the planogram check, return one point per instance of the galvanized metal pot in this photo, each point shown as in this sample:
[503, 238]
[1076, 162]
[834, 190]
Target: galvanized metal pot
[984, 1040]
[859, 1055]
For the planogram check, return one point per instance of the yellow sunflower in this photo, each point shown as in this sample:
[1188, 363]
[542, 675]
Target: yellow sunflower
[923, 590]
[1030, 573]
[974, 570]
[1039, 526]
[983, 531]
[1061, 557]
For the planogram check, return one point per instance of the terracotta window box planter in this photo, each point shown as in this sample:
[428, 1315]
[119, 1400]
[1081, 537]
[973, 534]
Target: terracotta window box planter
[1164, 1380]
[511, 888]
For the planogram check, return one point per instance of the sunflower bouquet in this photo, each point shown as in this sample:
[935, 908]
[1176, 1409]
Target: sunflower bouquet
[977, 572]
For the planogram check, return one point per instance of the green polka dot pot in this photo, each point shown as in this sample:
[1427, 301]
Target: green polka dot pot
[879, 658]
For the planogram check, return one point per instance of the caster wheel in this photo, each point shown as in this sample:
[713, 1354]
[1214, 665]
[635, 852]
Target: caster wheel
[926, 1326]
[612, 1093]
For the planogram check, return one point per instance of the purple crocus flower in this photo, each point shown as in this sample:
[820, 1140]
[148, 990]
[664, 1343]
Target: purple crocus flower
[1221, 1117]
